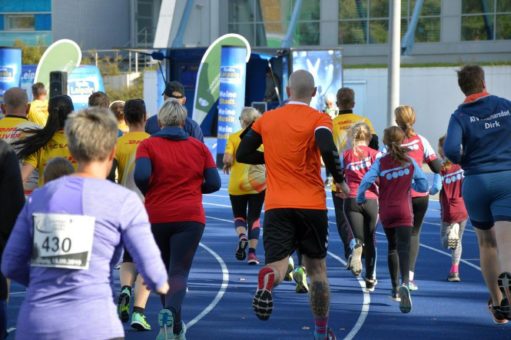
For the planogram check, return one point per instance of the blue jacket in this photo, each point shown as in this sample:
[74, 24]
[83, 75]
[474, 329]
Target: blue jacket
[479, 136]
[191, 127]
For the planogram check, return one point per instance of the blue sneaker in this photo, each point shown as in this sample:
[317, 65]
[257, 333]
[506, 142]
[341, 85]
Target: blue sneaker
[166, 322]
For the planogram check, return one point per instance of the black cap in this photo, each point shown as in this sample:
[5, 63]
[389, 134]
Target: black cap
[174, 86]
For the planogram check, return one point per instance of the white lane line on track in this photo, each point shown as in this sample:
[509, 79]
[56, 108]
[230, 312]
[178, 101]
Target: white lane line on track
[365, 304]
[221, 292]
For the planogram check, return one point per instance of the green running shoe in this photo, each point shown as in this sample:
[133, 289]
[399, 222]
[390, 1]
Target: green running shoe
[123, 305]
[300, 277]
[139, 322]
[166, 322]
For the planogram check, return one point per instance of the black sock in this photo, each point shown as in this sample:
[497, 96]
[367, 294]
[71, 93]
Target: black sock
[123, 287]
[242, 235]
[137, 309]
[251, 250]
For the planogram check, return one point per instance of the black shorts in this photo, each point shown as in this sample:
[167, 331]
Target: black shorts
[126, 257]
[286, 230]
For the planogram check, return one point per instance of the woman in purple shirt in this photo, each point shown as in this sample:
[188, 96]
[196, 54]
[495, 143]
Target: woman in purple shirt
[70, 235]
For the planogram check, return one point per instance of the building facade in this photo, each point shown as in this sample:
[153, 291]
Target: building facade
[447, 30]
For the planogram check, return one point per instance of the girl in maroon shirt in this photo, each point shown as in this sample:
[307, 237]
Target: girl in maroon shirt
[397, 174]
[453, 211]
[362, 219]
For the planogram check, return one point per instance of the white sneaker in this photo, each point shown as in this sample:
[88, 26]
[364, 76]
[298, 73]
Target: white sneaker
[453, 237]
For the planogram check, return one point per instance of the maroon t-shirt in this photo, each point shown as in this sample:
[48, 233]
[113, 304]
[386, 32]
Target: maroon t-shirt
[451, 201]
[395, 197]
[175, 186]
[422, 152]
[355, 167]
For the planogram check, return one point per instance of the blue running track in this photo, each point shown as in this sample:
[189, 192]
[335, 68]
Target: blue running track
[218, 305]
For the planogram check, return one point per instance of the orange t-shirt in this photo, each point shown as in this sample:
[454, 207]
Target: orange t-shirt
[293, 161]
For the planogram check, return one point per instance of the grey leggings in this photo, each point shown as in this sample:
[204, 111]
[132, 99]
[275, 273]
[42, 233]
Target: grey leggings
[456, 253]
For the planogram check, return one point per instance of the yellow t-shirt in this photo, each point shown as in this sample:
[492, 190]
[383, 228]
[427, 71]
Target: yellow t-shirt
[56, 147]
[125, 156]
[245, 178]
[341, 124]
[11, 128]
[38, 112]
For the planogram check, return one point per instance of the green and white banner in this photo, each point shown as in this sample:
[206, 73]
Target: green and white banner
[207, 88]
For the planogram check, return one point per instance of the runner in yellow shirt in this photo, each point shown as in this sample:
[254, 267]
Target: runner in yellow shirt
[39, 107]
[341, 125]
[135, 116]
[247, 184]
[14, 123]
[50, 142]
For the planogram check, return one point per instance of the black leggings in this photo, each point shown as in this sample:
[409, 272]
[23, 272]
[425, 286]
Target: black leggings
[178, 242]
[362, 219]
[420, 206]
[343, 227]
[399, 253]
[248, 208]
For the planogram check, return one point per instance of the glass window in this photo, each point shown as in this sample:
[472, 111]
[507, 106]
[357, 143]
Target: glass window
[352, 32]
[485, 20]
[353, 9]
[378, 31]
[379, 9]
[16, 22]
[503, 27]
[265, 22]
[373, 21]
[503, 6]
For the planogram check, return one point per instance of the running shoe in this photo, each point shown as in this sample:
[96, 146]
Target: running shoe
[453, 277]
[139, 322]
[412, 286]
[181, 335]
[263, 300]
[330, 335]
[240, 251]
[300, 277]
[370, 284]
[505, 287]
[252, 259]
[453, 237]
[394, 295]
[355, 265]
[290, 269]
[123, 305]
[405, 299]
[166, 323]
[499, 318]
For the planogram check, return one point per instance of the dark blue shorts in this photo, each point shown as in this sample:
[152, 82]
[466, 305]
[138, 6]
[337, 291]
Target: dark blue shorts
[488, 198]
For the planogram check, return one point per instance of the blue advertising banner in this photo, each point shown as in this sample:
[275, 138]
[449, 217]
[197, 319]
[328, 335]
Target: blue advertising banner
[232, 94]
[10, 69]
[82, 82]
[27, 79]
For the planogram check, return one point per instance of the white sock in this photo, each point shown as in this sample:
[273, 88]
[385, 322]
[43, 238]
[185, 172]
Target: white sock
[410, 275]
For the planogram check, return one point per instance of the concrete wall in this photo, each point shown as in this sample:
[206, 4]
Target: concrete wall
[433, 92]
[93, 24]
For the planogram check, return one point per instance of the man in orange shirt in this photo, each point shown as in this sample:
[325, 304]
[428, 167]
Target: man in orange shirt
[294, 137]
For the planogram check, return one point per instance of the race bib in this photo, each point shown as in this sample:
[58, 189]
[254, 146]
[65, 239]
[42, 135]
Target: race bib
[62, 241]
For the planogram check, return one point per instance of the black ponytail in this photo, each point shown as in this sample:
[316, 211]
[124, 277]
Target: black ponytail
[59, 107]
